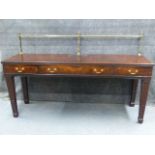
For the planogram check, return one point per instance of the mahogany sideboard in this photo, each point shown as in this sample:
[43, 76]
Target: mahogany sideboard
[132, 67]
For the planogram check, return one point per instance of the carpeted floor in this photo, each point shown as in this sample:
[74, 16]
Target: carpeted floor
[74, 118]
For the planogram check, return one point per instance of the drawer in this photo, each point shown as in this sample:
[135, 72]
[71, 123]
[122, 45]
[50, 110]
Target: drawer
[75, 69]
[134, 71]
[101, 70]
[20, 69]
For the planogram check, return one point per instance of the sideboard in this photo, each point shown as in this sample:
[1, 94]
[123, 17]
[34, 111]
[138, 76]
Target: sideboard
[132, 67]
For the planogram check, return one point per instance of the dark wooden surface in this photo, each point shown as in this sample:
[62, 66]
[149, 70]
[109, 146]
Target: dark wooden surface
[83, 59]
[122, 66]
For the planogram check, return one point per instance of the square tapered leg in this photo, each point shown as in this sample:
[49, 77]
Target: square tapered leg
[143, 98]
[12, 94]
[133, 92]
[24, 82]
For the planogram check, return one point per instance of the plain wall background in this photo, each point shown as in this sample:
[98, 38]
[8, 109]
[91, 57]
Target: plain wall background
[75, 89]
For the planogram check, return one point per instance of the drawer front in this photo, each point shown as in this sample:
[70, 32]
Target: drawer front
[79, 69]
[75, 69]
[134, 71]
[20, 69]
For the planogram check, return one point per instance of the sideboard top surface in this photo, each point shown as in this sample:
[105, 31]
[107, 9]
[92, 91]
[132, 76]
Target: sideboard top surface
[119, 59]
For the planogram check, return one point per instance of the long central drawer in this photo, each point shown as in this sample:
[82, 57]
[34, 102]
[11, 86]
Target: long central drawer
[76, 69]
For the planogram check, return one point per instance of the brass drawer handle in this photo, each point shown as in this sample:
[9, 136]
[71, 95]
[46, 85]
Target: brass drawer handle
[133, 72]
[51, 70]
[98, 71]
[19, 69]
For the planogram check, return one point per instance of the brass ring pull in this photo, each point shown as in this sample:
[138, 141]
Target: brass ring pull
[51, 70]
[98, 71]
[19, 69]
[133, 72]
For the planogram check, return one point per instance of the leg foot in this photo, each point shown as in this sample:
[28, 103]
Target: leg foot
[131, 104]
[15, 114]
[140, 120]
[26, 101]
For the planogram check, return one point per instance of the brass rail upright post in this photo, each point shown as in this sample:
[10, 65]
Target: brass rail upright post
[78, 44]
[20, 44]
[139, 51]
